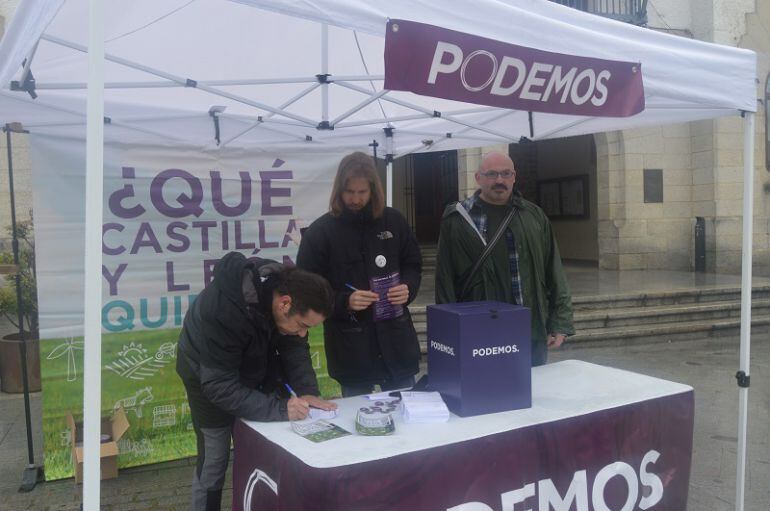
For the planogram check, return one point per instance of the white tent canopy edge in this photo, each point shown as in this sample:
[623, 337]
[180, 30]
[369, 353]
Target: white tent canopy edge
[684, 80]
[271, 104]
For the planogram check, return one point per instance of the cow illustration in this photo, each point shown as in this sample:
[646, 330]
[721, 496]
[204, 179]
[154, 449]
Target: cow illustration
[135, 402]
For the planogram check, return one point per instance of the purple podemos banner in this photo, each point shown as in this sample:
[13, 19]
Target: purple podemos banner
[434, 61]
[633, 458]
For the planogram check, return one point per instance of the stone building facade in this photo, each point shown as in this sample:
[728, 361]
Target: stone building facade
[694, 170]
[700, 163]
[21, 163]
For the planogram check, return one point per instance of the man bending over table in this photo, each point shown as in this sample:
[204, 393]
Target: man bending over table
[243, 339]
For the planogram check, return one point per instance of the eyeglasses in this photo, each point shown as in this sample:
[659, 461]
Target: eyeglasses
[494, 174]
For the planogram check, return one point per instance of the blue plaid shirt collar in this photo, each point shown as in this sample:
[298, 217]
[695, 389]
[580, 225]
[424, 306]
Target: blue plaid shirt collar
[476, 211]
[479, 217]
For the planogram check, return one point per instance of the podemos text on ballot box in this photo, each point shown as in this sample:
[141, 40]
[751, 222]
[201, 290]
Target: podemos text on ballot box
[479, 356]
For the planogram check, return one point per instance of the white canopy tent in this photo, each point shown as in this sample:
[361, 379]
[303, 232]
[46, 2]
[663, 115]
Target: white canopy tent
[308, 76]
[169, 62]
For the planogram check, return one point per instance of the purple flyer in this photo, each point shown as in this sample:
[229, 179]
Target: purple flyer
[382, 308]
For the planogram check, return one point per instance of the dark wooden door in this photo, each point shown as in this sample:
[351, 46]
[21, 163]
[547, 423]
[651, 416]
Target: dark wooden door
[434, 186]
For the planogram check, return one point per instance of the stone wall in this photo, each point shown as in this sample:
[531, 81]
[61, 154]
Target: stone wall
[702, 163]
[7, 9]
[22, 174]
[21, 165]
[755, 36]
[634, 234]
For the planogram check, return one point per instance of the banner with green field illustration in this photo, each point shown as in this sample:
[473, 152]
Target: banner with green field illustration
[169, 215]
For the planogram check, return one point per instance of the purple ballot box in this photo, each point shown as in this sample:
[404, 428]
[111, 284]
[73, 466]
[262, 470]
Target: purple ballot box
[479, 356]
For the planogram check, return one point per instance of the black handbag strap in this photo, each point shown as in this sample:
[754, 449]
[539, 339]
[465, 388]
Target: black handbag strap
[487, 251]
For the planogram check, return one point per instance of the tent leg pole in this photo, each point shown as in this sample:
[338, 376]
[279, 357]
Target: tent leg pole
[32, 474]
[324, 71]
[745, 354]
[92, 325]
[389, 168]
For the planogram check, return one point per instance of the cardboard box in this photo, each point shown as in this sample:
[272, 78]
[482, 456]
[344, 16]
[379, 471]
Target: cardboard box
[479, 356]
[115, 426]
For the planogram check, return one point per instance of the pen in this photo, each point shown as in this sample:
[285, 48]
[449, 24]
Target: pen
[350, 286]
[291, 390]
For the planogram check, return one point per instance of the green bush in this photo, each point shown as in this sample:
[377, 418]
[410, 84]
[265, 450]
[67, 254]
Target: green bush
[8, 298]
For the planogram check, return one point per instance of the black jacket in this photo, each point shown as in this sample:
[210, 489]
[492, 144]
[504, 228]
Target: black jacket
[230, 353]
[343, 249]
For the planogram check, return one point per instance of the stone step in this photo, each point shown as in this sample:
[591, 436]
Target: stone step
[669, 332]
[428, 259]
[663, 332]
[647, 324]
[638, 316]
[660, 298]
[643, 317]
[588, 303]
[586, 320]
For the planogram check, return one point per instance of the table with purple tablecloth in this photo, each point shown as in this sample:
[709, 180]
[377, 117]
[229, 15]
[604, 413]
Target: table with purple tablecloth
[596, 438]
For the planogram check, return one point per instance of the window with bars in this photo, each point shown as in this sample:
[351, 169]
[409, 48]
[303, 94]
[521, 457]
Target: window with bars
[629, 11]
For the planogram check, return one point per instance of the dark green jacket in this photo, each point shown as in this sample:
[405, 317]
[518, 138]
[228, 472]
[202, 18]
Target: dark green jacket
[544, 286]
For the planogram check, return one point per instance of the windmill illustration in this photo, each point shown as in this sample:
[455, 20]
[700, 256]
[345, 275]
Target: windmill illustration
[68, 348]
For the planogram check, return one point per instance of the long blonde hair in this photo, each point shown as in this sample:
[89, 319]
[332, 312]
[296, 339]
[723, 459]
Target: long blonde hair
[357, 164]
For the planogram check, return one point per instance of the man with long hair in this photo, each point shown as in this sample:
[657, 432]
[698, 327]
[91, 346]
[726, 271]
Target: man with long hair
[353, 245]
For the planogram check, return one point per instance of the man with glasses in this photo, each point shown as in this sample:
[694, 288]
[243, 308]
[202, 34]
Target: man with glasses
[523, 267]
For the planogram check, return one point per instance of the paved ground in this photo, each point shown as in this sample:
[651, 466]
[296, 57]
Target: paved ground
[585, 280]
[708, 365]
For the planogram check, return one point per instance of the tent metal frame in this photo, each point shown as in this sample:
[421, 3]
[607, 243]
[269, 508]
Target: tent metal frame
[92, 327]
[95, 122]
[32, 473]
[746, 274]
[323, 78]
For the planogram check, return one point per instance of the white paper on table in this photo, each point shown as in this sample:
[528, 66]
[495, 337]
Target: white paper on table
[317, 413]
[417, 396]
[380, 396]
[424, 407]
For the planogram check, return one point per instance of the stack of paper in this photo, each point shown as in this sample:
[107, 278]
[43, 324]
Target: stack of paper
[380, 396]
[317, 413]
[424, 407]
